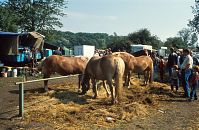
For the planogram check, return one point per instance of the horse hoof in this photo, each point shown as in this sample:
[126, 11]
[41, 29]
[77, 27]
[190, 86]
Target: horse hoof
[79, 91]
[82, 93]
[46, 89]
[94, 97]
[114, 102]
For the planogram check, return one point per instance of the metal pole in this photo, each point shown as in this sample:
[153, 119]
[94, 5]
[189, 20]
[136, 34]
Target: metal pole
[21, 100]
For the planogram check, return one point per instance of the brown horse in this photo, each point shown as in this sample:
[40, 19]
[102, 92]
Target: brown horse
[63, 66]
[140, 64]
[104, 68]
[144, 64]
[129, 61]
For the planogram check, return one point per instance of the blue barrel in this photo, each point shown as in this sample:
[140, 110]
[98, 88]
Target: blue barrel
[22, 59]
[18, 58]
[49, 52]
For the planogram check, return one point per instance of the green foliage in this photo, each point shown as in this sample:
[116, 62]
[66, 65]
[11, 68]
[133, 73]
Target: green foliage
[69, 39]
[35, 15]
[119, 43]
[144, 37]
[195, 21]
[188, 36]
[7, 20]
[176, 42]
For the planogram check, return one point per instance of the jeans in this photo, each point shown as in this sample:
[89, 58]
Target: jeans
[193, 90]
[170, 69]
[185, 81]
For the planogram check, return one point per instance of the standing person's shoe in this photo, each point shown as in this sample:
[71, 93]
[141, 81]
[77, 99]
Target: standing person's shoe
[196, 98]
[190, 99]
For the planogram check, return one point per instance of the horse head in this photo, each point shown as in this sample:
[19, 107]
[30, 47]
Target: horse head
[85, 84]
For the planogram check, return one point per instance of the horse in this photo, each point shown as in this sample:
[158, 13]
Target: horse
[129, 61]
[63, 66]
[104, 68]
[144, 64]
[141, 53]
[140, 64]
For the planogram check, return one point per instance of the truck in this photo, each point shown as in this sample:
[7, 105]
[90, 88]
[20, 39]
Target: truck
[135, 48]
[84, 50]
[162, 51]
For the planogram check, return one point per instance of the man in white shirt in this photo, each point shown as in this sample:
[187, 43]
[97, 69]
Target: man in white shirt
[186, 68]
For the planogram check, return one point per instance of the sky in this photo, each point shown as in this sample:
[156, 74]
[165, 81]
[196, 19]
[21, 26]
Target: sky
[163, 18]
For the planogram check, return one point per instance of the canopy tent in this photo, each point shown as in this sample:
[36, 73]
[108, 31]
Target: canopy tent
[32, 40]
[10, 42]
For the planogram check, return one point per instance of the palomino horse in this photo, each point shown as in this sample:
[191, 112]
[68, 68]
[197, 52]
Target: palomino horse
[63, 66]
[129, 61]
[104, 68]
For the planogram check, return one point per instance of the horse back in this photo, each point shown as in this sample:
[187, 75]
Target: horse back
[103, 68]
[64, 65]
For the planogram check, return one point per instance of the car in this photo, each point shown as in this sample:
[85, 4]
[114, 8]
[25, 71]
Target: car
[195, 60]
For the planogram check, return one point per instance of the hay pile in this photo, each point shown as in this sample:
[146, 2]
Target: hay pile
[63, 108]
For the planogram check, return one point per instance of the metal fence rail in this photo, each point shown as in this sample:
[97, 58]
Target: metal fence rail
[21, 90]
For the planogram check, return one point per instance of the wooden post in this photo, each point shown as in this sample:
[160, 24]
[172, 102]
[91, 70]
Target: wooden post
[21, 99]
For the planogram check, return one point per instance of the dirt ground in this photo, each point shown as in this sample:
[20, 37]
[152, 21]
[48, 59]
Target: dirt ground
[143, 107]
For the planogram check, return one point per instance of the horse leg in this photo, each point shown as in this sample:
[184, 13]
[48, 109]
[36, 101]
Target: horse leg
[109, 82]
[138, 75]
[105, 87]
[127, 75]
[79, 82]
[145, 77]
[46, 83]
[94, 88]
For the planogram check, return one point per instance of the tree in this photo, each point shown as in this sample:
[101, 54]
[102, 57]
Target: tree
[119, 43]
[8, 20]
[140, 37]
[176, 42]
[188, 36]
[195, 21]
[144, 36]
[36, 15]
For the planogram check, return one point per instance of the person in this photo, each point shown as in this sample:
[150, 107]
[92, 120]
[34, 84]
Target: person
[172, 60]
[175, 78]
[34, 52]
[28, 54]
[57, 52]
[186, 70]
[194, 83]
[161, 68]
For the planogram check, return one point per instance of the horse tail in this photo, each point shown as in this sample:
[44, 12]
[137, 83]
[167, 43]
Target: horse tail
[151, 72]
[120, 68]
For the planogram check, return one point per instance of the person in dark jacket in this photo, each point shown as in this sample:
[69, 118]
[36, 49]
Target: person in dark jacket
[172, 60]
[57, 52]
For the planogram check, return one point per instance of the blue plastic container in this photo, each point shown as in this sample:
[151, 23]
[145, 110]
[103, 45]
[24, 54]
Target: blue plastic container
[38, 55]
[22, 59]
[49, 52]
[18, 58]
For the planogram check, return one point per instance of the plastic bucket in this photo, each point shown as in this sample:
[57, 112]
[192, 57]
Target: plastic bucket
[14, 73]
[9, 72]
